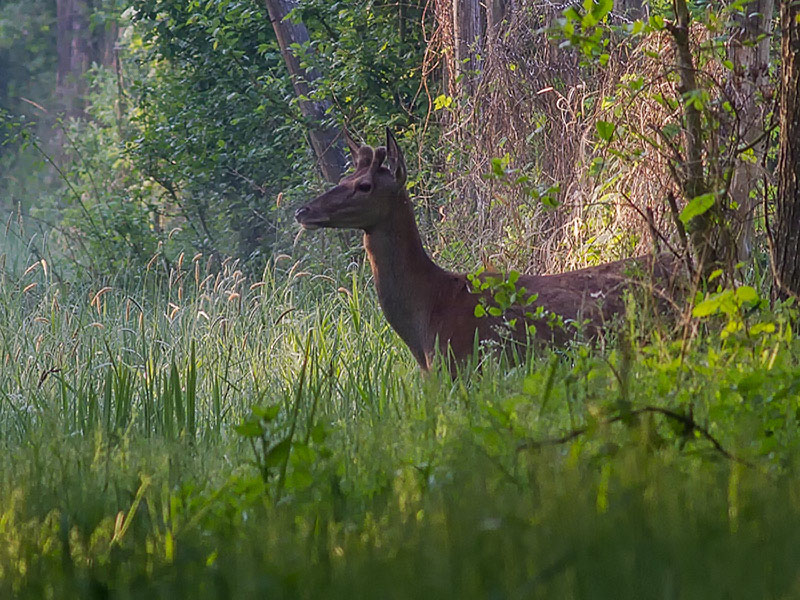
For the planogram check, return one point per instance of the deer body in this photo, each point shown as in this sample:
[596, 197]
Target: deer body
[433, 310]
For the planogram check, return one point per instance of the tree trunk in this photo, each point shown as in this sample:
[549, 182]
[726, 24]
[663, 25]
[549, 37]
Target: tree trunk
[786, 246]
[73, 53]
[78, 47]
[468, 24]
[495, 13]
[328, 150]
[461, 25]
[693, 184]
[749, 53]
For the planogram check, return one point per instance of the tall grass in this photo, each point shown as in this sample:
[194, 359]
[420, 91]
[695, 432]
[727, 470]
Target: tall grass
[199, 433]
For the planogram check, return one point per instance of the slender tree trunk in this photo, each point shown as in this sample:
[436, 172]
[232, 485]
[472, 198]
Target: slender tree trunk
[468, 25]
[73, 53]
[786, 246]
[749, 53]
[324, 142]
[78, 47]
[495, 13]
[701, 228]
[461, 27]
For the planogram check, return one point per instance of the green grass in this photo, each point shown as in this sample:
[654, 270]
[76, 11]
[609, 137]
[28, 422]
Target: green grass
[206, 435]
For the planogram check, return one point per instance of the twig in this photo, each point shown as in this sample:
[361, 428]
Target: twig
[647, 216]
[673, 208]
[688, 422]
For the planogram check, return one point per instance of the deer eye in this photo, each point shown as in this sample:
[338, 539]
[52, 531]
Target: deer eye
[364, 186]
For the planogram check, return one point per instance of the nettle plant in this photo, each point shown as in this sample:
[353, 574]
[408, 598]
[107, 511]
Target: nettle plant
[505, 293]
[523, 180]
[745, 312]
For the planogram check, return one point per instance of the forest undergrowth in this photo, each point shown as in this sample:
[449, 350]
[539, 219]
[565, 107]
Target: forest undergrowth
[196, 432]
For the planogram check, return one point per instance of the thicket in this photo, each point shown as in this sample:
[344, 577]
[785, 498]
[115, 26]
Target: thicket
[560, 145]
[195, 400]
[215, 435]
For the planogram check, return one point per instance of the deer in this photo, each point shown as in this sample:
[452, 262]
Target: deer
[435, 311]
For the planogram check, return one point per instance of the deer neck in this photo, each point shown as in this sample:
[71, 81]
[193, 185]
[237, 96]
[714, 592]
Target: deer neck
[406, 278]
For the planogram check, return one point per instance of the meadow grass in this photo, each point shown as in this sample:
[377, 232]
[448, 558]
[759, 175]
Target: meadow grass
[195, 432]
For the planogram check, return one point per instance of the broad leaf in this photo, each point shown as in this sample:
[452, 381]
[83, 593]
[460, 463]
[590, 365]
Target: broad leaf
[605, 130]
[747, 294]
[696, 207]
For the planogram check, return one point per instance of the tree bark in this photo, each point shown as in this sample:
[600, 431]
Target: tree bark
[78, 47]
[786, 244]
[693, 184]
[468, 25]
[749, 53]
[495, 13]
[461, 25]
[73, 53]
[328, 150]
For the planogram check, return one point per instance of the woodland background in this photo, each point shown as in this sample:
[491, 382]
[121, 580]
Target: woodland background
[545, 135]
[198, 401]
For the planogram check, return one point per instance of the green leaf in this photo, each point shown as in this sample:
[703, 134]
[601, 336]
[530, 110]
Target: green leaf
[497, 168]
[572, 14]
[762, 328]
[319, 432]
[303, 454]
[706, 307]
[657, 22]
[480, 311]
[605, 130]
[249, 429]
[602, 8]
[300, 479]
[531, 385]
[501, 298]
[596, 166]
[588, 21]
[266, 412]
[747, 294]
[278, 453]
[696, 207]
[442, 101]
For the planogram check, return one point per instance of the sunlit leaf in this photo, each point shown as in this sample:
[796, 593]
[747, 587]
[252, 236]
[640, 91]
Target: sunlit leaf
[696, 207]
[746, 294]
[605, 130]
[706, 308]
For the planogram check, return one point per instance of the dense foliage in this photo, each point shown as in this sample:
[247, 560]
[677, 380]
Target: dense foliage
[215, 436]
[198, 401]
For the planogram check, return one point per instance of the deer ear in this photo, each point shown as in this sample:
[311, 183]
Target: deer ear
[353, 145]
[395, 160]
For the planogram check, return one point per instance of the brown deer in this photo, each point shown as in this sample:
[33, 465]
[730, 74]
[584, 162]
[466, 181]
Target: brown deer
[434, 310]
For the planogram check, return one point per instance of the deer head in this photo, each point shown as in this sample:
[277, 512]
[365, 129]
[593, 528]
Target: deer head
[365, 197]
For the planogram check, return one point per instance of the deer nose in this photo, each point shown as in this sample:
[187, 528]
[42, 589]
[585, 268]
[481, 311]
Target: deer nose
[298, 214]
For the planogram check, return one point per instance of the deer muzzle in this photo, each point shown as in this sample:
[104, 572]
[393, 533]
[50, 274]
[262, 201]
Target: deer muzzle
[305, 217]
